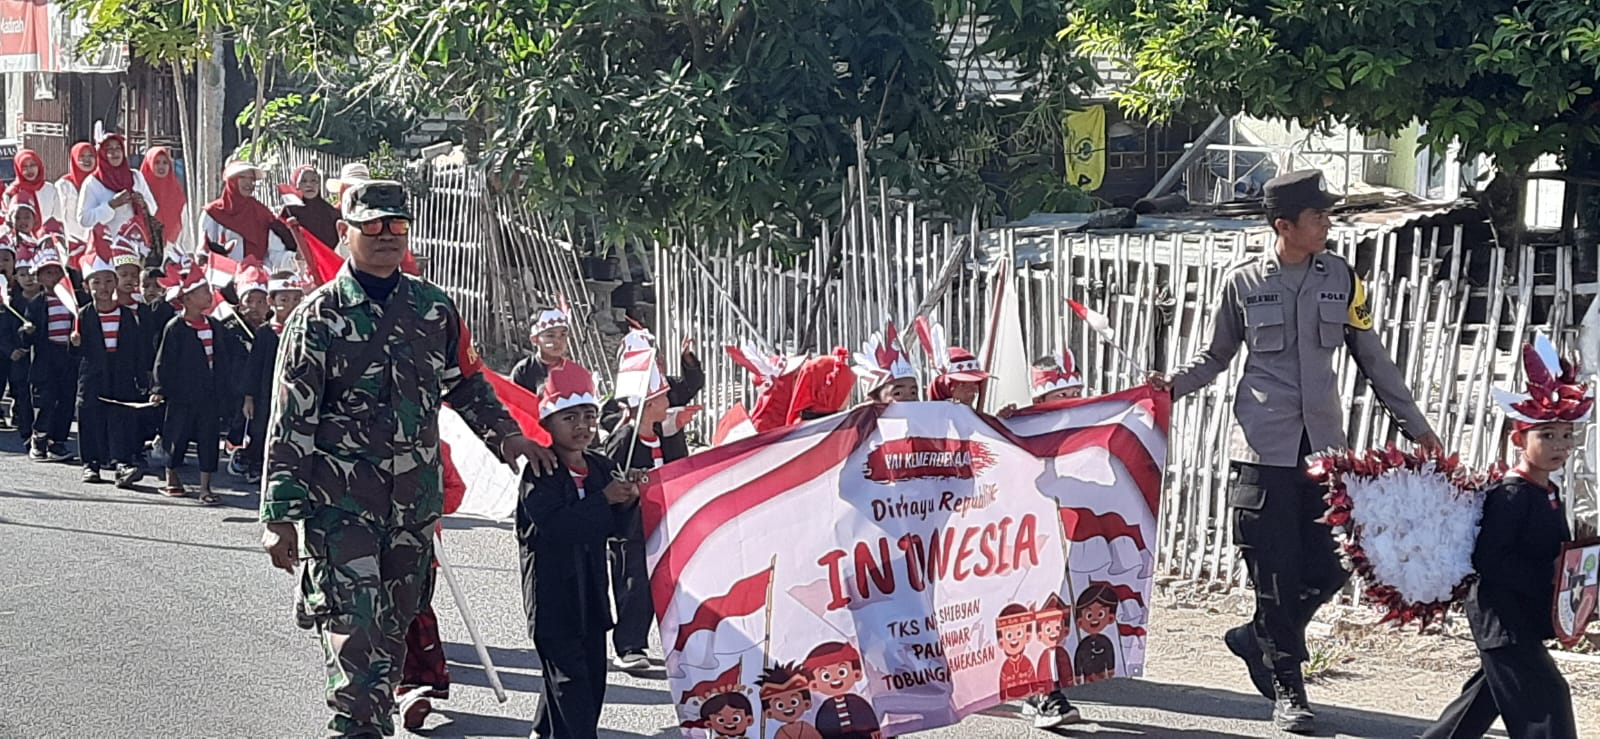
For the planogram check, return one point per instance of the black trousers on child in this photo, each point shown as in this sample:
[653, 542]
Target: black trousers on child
[16, 380]
[54, 380]
[573, 660]
[255, 445]
[191, 422]
[1292, 558]
[1520, 684]
[630, 582]
[105, 434]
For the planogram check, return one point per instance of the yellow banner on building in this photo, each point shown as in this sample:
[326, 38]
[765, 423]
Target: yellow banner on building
[1086, 147]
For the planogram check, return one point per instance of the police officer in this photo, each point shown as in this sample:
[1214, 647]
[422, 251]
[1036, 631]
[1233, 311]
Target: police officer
[1292, 307]
[354, 483]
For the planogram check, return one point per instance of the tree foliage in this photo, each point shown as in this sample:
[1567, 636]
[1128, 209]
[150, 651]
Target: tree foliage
[643, 115]
[165, 32]
[1514, 79]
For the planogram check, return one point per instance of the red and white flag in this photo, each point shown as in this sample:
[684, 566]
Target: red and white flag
[1096, 321]
[905, 537]
[735, 425]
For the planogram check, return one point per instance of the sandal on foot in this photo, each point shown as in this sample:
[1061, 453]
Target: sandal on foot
[175, 491]
[209, 499]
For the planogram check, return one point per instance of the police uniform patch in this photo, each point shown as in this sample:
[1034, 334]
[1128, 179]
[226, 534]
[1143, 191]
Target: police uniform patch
[1360, 308]
[1260, 298]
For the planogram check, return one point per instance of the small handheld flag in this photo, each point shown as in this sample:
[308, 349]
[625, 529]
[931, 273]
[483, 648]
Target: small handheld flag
[1101, 325]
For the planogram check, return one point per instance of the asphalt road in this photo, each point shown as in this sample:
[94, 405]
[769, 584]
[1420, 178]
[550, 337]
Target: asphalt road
[126, 614]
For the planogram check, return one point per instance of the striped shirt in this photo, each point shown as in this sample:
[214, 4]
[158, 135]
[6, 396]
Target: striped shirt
[654, 445]
[577, 479]
[202, 328]
[109, 324]
[60, 320]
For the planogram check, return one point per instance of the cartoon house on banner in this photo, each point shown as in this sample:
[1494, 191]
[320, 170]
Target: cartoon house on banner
[895, 568]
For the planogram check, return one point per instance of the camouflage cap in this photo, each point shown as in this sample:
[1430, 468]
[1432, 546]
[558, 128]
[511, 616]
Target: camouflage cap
[371, 200]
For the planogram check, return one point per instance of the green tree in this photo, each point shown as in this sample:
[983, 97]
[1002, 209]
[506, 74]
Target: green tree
[644, 115]
[1514, 79]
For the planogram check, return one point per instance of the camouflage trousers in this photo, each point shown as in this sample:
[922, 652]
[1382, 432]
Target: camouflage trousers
[362, 585]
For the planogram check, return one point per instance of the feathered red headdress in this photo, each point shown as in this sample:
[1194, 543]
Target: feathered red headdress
[1064, 375]
[882, 359]
[1554, 393]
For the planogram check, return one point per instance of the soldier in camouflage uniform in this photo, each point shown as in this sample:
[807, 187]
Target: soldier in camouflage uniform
[354, 482]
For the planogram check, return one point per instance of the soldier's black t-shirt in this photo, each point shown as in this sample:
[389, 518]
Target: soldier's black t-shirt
[378, 289]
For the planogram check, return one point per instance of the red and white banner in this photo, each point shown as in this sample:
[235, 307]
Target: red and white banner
[907, 564]
[38, 36]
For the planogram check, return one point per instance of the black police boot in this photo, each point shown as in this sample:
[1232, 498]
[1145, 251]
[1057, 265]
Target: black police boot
[1241, 640]
[1291, 711]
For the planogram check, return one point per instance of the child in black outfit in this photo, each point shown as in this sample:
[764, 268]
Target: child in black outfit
[563, 520]
[154, 313]
[1519, 545]
[53, 375]
[240, 331]
[549, 338]
[10, 330]
[191, 367]
[283, 293]
[111, 360]
[630, 578]
[23, 291]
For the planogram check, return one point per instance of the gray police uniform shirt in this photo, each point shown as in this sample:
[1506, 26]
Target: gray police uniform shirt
[1291, 319]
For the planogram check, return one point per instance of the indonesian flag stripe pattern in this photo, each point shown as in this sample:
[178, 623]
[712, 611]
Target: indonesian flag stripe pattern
[895, 529]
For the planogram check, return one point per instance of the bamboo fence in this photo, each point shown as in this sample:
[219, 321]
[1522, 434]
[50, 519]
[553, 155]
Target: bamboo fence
[1450, 326]
[1452, 338]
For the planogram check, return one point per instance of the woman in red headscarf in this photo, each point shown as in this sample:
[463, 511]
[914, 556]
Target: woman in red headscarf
[114, 194]
[240, 227]
[81, 165]
[33, 189]
[160, 173]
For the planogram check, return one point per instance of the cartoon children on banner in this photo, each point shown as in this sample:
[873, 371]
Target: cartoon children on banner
[1097, 612]
[1014, 628]
[1055, 665]
[786, 699]
[723, 708]
[835, 669]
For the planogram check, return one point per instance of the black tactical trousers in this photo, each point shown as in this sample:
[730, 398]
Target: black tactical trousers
[1293, 560]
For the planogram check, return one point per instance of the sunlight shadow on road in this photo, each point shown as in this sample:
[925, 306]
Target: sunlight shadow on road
[129, 537]
[1226, 704]
[468, 724]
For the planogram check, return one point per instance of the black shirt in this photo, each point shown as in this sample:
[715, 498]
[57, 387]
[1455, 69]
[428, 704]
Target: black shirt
[1519, 540]
[378, 289]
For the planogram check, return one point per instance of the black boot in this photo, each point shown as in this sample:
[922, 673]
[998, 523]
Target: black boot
[1241, 640]
[1291, 711]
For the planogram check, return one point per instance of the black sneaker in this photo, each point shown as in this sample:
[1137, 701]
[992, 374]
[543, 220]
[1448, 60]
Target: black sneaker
[236, 467]
[1053, 710]
[633, 661]
[57, 452]
[1291, 711]
[1241, 640]
[92, 476]
[252, 478]
[36, 452]
[127, 475]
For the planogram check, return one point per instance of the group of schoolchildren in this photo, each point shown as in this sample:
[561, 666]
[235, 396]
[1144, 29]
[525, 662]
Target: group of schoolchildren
[569, 523]
[582, 524]
[150, 349]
